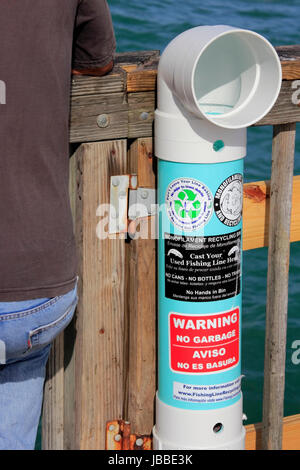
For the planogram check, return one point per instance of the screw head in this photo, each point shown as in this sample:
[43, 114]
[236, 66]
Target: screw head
[139, 442]
[103, 120]
[144, 116]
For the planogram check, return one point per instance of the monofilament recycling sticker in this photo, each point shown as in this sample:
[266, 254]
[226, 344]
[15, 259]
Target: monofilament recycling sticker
[189, 204]
[228, 203]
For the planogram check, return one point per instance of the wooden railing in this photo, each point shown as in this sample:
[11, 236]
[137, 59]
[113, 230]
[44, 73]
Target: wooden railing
[104, 366]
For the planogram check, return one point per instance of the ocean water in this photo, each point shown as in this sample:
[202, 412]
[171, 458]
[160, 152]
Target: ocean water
[151, 24]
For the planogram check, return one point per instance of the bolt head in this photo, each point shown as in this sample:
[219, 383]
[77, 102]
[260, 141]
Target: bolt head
[139, 442]
[102, 120]
[144, 116]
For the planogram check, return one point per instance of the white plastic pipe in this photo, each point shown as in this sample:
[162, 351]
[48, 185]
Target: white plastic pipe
[213, 82]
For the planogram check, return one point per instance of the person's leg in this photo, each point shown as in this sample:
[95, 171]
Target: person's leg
[21, 397]
[27, 335]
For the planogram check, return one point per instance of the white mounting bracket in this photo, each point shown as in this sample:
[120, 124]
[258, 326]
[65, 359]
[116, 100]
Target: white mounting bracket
[141, 203]
[128, 202]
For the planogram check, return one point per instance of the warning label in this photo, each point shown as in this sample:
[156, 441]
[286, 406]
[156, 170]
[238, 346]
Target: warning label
[202, 268]
[204, 343]
[206, 393]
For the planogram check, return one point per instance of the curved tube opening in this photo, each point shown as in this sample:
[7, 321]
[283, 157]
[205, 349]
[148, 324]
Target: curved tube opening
[236, 79]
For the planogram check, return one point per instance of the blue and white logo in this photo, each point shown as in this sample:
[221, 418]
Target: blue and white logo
[189, 204]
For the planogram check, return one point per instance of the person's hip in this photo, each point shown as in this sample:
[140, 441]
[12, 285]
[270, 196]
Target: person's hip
[28, 326]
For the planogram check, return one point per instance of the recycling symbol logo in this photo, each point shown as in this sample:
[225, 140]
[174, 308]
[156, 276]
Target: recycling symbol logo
[189, 204]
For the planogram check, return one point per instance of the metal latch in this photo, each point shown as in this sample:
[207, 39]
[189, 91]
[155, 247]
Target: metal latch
[128, 202]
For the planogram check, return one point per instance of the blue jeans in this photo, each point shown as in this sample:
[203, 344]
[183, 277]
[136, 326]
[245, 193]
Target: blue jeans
[27, 329]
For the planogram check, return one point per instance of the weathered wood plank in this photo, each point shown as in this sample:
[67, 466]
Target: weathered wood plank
[290, 61]
[141, 114]
[287, 107]
[127, 116]
[84, 85]
[59, 393]
[86, 128]
[141, 80]
[69, 339]
[141, 259]
[125, 111]
[136, 71]
[116, 81]
[53, 405]
[100, 313]
[137, 58]
[277, 290]
[290, 434]
[257, 214]
[85, 110]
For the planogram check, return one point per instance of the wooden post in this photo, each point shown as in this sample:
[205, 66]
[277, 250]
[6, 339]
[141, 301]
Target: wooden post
[141, 275]
[277, 291]
[100, 313]
[58, 409]
[87, 384]
[53, 411]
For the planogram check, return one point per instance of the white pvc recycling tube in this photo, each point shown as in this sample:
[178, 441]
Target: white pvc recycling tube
[213, 82]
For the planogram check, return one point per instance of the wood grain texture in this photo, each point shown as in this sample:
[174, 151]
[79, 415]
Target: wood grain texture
[290, 434]
[287, 107]
[141, 259]
[130, 90]
[141, 80]
[53, 406]
[99, 351]
[70, 337]
[257, 214]
[84, 85]
[277, 284]
[124, 113]
[136, 71]
[59, 392]
[290, 61]
[128, 116]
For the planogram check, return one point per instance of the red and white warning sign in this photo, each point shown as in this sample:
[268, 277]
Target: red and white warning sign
[204, 343]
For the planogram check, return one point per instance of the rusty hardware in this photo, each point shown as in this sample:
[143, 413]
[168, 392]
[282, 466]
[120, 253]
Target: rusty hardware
[119, 437]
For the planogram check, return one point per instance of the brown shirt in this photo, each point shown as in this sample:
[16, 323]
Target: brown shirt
[37, 249]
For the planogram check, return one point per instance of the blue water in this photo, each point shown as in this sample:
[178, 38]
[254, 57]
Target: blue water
[151, 24]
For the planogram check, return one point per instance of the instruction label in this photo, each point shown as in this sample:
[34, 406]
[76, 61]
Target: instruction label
[206, 393]
[204, 343]
[202, 268]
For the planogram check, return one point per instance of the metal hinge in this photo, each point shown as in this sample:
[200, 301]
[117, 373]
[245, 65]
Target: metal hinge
[129, 202]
